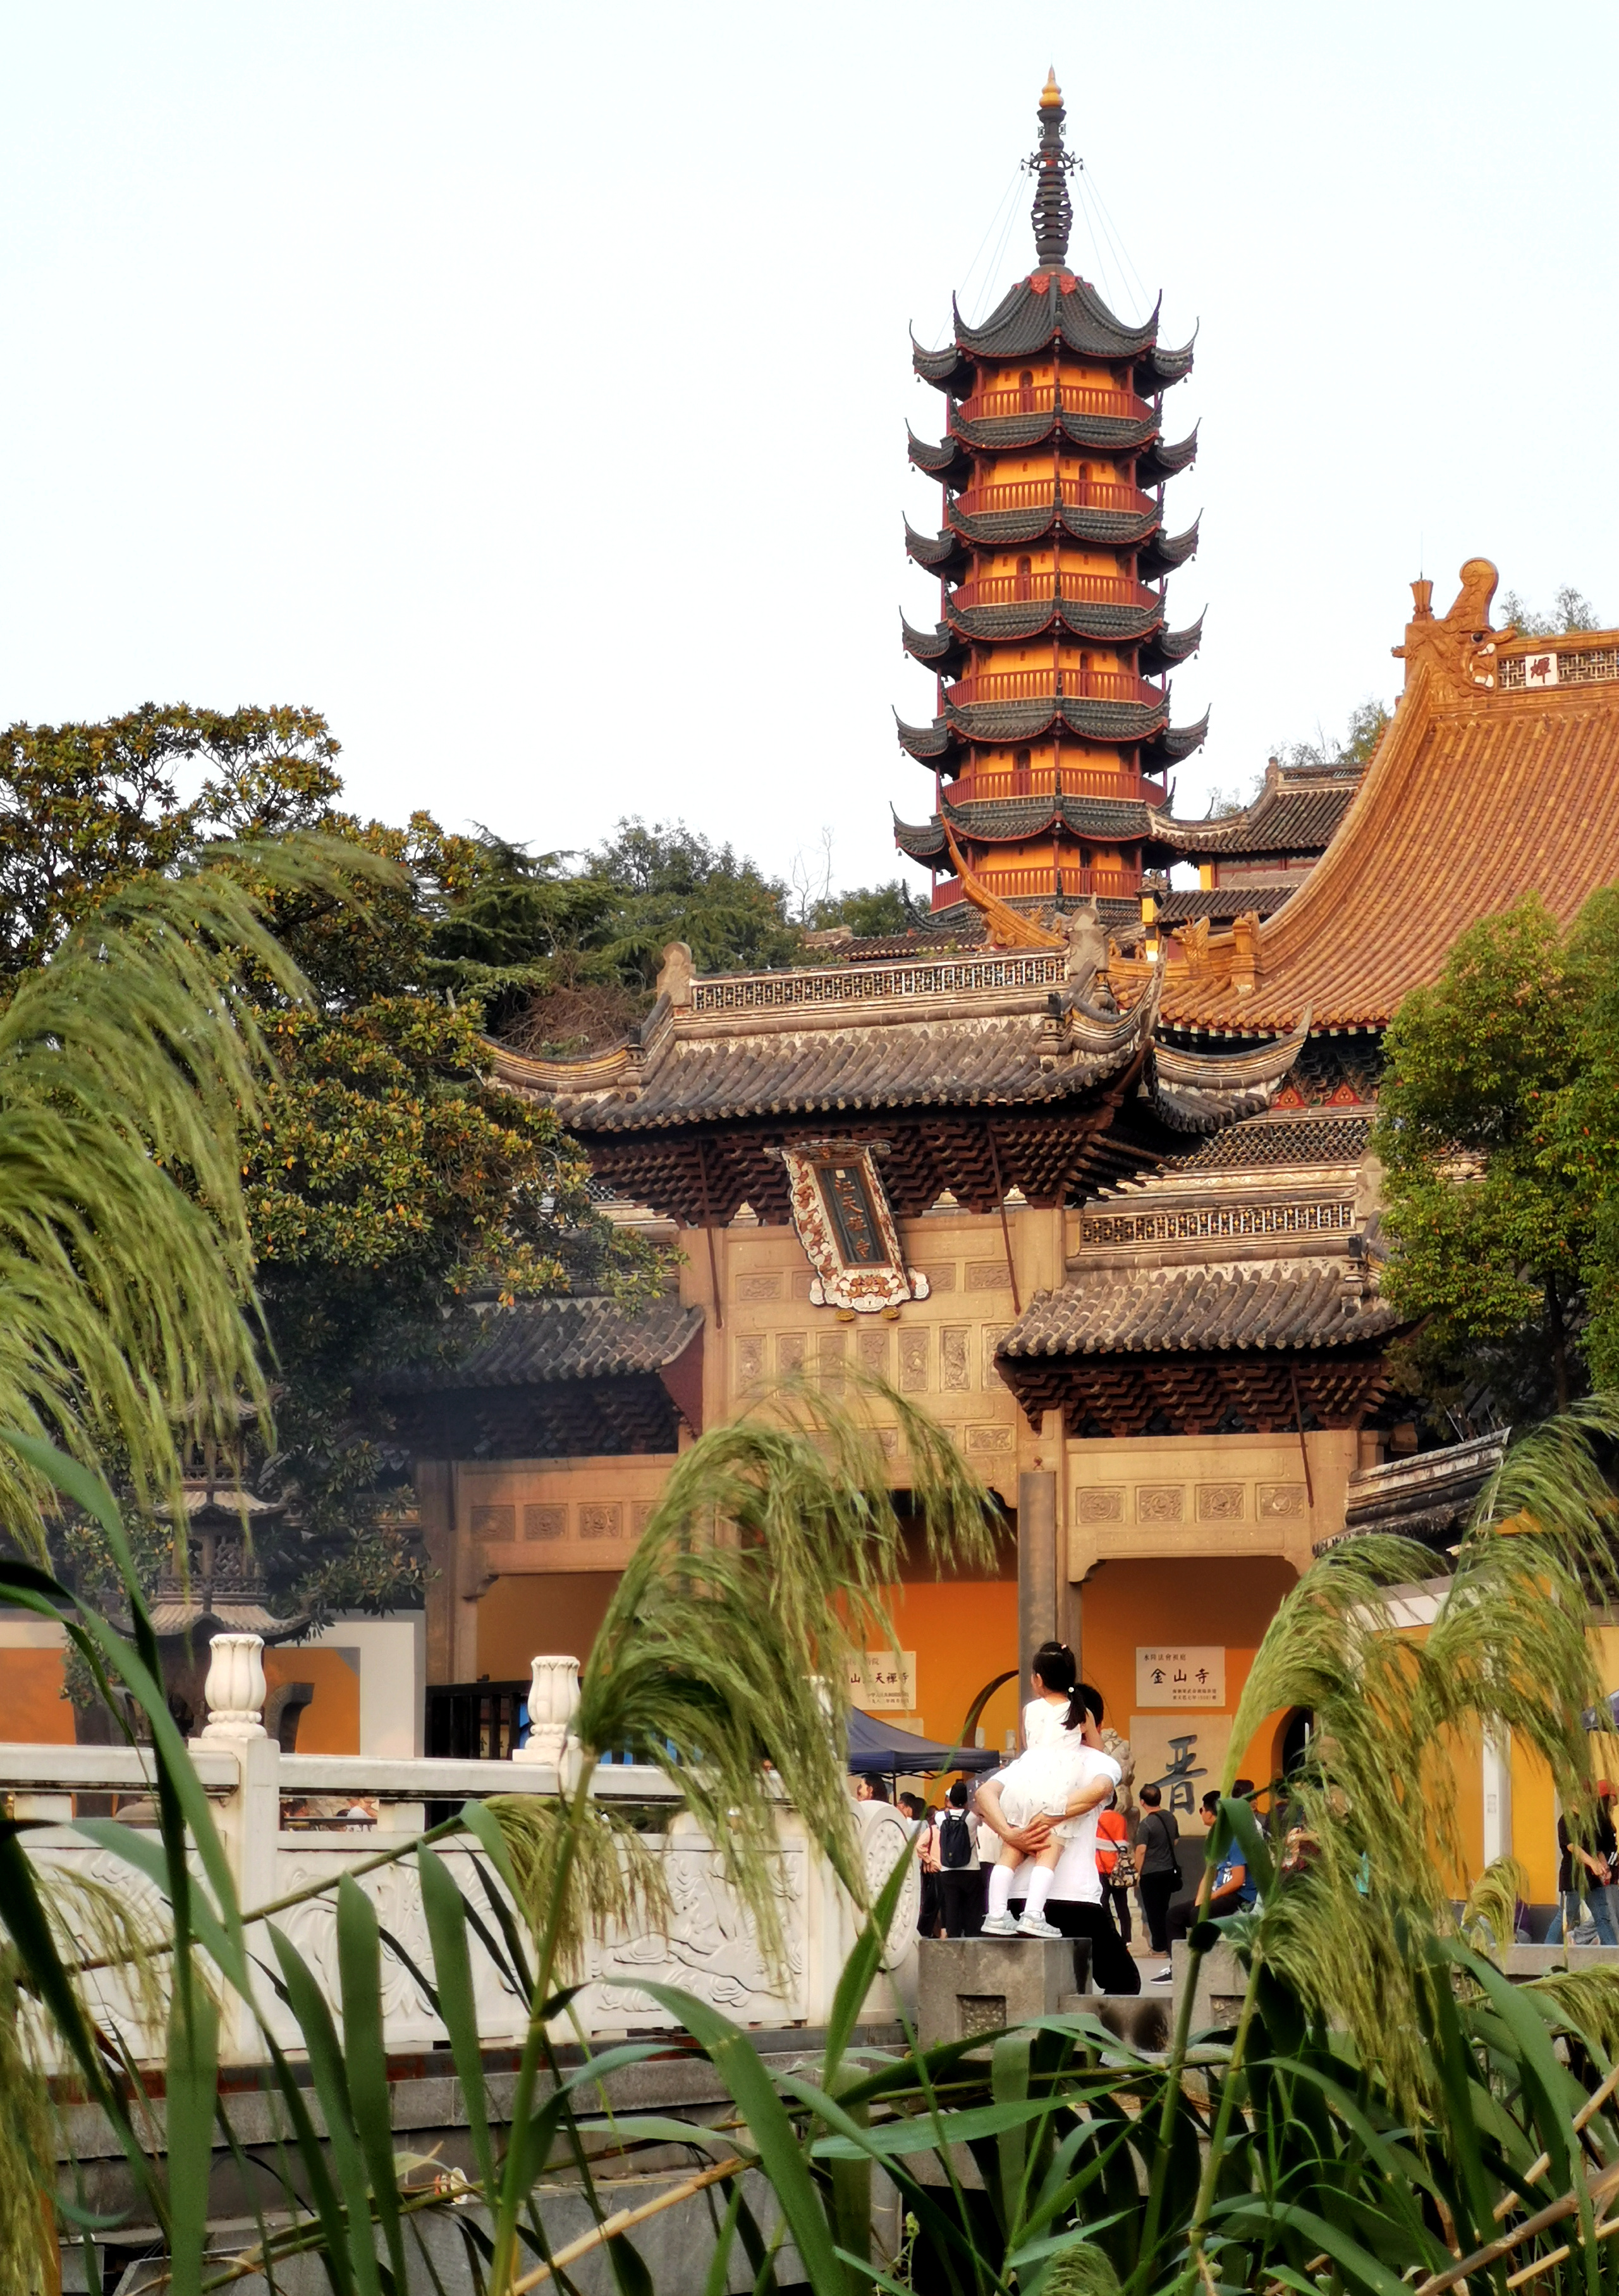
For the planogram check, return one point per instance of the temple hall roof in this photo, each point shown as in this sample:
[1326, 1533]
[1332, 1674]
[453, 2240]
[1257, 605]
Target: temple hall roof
[1219, 903]
[535, 1340]
[1297, 811]
[1284, 1303]
[984, 1071]
[1483, 790]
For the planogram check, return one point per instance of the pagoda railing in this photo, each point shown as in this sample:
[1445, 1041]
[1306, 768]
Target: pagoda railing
[1021, 884]
[860, 984]
[1041, 399]
[1038, 684]
[1036, 494]
[1021, 589]
[1041, 781]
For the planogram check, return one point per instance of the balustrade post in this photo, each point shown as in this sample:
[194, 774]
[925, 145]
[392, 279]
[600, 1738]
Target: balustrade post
[554, 1700]
[248, 1819]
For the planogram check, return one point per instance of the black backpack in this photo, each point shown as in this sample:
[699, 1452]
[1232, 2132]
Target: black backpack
[956, 1844]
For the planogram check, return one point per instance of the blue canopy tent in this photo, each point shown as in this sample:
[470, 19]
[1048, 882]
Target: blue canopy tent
[874, 1745]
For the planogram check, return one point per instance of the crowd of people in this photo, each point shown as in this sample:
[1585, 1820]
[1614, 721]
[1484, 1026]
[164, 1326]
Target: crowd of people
[1046, 1848]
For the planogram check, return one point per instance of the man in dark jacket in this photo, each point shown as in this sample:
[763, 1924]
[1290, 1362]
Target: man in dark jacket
[1157, 1870]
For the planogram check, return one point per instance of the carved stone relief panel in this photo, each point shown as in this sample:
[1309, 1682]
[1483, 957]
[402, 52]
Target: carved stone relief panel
[544, 1522]
[1220, 1502]
[801, 1280]
[956, 1362]
[641, 1513]
[1284, 1499]
[913, 1362]
[873, 1347]
[790, 1352]
[989, 1437]
[603, 1520]
[988, 1275]
[994, 1334]
[1160, 1503]
[830, 1356]
[709, 1948]
[750, 1359]
[758, 1287]
[941, 1276]
[494, 1522]
[1106, 1505]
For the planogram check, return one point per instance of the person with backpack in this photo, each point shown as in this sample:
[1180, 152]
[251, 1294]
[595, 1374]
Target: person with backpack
[961, 1872]
[1113, 1862]
[1158, 1868]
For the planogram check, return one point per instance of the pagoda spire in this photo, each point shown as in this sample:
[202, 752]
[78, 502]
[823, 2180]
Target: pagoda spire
[1052, 213]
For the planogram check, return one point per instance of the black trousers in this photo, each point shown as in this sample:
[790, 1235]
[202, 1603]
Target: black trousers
[961, 1892]
[1116, 1896]
[1112, 1969]
[1183, 1919]
[1156, 1890]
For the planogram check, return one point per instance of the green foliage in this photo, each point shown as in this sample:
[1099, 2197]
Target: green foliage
[1499, 1133]
[385, 1181]
[1571, 610]
[1312, 2144]
[1369, 721]
[869, 909]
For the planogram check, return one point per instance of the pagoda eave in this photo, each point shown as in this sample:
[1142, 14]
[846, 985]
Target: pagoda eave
[1176, 743]
[1014, 820]
[1167, 649]
[1160, 461]
[937, 553]
[1166, 552]
[949, 462]
[1117, 529]
[1112, 625]
[1115, 434]
[1001, 723]
[938, 648]
[1055, 307]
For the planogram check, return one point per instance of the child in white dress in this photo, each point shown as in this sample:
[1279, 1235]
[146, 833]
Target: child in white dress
[1056, 1768]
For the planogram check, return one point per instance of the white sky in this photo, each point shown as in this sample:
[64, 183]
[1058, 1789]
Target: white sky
[526, 386]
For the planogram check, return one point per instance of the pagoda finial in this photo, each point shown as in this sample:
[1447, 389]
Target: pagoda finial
[1051, 167]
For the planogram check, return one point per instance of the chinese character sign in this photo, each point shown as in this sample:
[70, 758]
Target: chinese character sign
[1182, 1755]
[1189, 1675]
[885, 1683]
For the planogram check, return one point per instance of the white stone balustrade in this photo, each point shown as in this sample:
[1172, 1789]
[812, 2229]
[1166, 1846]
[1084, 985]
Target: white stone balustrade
[707, 1948]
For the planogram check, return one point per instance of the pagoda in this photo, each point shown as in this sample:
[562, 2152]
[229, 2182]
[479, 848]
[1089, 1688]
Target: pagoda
[1051, 736]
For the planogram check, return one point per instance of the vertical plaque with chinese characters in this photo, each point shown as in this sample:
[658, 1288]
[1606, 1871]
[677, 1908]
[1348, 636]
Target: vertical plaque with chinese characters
[1186, 1674]
[843, 1219]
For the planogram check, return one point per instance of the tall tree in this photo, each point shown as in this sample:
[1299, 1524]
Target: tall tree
[1499, 1133]
[384, 1183]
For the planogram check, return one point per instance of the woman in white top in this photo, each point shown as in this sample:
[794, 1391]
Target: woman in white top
[1056, 1777]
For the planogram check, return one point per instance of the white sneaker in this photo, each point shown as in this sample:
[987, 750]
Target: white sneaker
[999, 1925]
[1035, 1925]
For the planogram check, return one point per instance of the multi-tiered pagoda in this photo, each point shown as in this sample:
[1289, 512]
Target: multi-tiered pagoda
[1052, 653]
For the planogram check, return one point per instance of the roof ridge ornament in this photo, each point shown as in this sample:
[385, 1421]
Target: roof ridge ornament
[1051, 165]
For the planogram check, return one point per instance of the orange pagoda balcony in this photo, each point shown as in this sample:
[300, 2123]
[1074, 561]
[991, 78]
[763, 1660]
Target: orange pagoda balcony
[1022, 589]
[1042, 884]
[1041, 399]
[1041, 781]
[1041, 685]
[1036, 494]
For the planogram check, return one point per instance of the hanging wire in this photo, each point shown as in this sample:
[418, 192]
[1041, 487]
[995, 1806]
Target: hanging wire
[1115, 239]
[965, 290]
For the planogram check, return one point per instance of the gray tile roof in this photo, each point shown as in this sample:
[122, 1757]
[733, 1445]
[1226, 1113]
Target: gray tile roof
[1281, 1303]
[540, 1340]
[1265, 1140]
